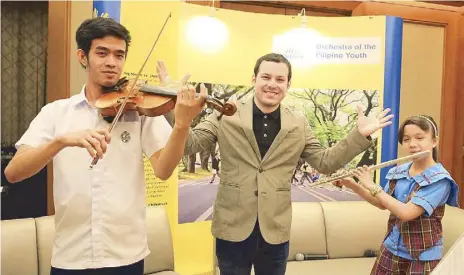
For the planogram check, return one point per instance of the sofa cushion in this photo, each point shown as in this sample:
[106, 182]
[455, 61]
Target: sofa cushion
[308, 231]
[161, 257]
[45, 233]
[358, 266]
[19, 247]
[453, 226]
[452, 262]
[352, 227]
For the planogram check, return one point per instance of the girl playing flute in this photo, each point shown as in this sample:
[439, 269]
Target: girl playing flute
[416, 194]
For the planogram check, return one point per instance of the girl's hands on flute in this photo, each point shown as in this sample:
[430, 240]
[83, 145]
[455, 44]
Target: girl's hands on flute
[364, 175]
[347, 182]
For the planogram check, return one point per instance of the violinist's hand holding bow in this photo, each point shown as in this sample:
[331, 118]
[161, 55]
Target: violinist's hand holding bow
[95, 141]
[188, 105]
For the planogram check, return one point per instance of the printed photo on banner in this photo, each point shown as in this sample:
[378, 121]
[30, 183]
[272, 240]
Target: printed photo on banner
[331, 114]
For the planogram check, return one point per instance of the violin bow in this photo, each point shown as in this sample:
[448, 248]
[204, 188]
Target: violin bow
[119, 113]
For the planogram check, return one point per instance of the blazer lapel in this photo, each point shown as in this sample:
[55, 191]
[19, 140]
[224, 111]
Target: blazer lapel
[246, 116]
[285, 123]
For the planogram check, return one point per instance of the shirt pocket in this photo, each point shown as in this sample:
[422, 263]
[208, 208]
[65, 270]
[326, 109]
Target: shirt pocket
[282, 206]
[228, 195]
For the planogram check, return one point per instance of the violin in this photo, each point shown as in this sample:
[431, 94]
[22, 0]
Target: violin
[148, 100]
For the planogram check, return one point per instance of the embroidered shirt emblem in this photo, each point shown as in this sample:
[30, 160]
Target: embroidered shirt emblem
[125, 137]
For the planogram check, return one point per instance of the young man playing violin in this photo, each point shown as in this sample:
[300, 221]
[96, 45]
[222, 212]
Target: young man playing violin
[100, 213]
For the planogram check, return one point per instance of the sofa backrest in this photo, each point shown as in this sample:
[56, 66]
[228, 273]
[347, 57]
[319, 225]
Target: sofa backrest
[308, 233]
[453, 226]
[353, 227]
[19, 247]
[161, 257]
[27, 244]
[349, 228]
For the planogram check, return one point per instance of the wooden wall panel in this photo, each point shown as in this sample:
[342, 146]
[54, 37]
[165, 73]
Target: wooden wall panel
[459, 132]
[423, 84]
[292, 11]
[59, 24]
[58, 63]
[287, 7]
[447, 3]
[216, 3]
[332, 8]
[255, 7]
[252, 8]
[329, 6]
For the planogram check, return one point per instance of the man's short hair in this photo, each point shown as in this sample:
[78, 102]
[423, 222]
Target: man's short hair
[274, 57]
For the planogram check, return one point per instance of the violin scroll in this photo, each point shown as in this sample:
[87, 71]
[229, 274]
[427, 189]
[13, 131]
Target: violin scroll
[227, 108]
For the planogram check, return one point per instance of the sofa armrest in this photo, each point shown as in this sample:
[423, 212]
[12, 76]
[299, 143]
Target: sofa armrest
[45, 233]
[18, 247]
[453, 226]
[453, 262]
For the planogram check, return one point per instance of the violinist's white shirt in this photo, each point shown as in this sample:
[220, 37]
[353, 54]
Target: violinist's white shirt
[99, 213]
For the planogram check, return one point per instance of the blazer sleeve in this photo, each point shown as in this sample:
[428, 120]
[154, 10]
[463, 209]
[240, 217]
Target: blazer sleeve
[202, 136]
[328, 160]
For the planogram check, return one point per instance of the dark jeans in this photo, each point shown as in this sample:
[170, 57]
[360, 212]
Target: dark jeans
[132, 269]
[236, 258]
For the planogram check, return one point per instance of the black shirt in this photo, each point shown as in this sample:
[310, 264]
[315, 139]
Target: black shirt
[265, 127]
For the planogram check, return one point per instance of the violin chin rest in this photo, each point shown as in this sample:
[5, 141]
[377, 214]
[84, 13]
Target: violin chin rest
[108, 119]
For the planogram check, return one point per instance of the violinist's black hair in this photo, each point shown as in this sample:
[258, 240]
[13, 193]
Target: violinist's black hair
[100, 27]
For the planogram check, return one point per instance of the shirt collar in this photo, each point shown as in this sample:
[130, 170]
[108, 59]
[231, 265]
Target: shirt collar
[275, 114]
[79, 98]
[430, 175]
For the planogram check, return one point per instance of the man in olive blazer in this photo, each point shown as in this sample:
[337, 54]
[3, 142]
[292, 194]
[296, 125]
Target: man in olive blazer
[260, 146]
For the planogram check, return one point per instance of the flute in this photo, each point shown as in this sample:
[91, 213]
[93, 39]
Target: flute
[371, 168]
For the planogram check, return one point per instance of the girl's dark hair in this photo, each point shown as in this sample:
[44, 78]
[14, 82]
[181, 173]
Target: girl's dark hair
[426, 123]
[100, 27]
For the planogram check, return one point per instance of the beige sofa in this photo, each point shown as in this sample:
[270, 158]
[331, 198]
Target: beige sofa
[453, 261]
[27, 245]
[341, 230]
[344, 231]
